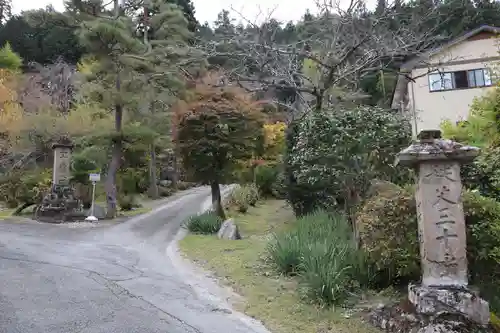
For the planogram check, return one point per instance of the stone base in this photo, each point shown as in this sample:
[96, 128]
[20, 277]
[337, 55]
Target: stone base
[54, 216]
[449, 301]
[403, 318]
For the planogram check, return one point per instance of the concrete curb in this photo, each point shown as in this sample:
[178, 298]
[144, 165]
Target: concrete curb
[205, 286]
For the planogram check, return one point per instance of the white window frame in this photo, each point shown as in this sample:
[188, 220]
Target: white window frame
[447, 79]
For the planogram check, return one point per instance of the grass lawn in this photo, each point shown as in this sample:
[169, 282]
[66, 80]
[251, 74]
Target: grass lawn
[270, 298]
[6, 213]
[134, 212]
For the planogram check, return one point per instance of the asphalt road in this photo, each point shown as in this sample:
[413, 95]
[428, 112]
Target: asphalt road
[106, 279]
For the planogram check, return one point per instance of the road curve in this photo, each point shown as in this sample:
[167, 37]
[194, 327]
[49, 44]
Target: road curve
[106, 279]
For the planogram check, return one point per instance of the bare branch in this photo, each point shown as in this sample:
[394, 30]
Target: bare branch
[342, 46]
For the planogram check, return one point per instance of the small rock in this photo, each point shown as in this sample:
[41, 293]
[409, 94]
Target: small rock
[226, 311]
[229, 230]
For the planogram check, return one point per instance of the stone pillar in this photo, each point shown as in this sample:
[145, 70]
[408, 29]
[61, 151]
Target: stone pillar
[60, 204]
[441, 227]
[61, 172]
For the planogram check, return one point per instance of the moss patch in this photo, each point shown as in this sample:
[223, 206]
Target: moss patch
[267, 297]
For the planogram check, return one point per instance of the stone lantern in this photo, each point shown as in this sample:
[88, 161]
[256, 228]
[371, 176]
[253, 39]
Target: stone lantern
[441, 228]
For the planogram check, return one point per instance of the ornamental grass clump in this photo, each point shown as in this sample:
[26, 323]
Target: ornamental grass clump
[206, 223]
[321, 251]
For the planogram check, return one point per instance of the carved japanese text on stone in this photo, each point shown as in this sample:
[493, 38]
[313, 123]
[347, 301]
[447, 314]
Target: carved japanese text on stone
[441, 223]
[62, 161]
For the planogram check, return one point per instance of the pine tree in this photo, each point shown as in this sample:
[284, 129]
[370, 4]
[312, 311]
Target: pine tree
[9, 59]
[111, 42]
[168, 54]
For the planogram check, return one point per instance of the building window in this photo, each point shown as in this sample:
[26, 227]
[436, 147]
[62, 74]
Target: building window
[460, 79]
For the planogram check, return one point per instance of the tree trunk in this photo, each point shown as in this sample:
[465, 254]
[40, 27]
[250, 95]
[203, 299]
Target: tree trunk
[175, 173]
[110, 185]
[116, 156]
[153, 181]
[217, 199]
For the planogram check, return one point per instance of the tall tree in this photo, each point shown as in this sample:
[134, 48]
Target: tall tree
[171, 60]
[111, 41]
[188, 10]
[217, 126]
[136, 7]
[42, 36]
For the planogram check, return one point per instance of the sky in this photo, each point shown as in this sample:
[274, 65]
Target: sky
[207, 10]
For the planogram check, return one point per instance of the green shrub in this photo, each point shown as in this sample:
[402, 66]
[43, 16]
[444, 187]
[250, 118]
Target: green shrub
[164, 191]
[250, 193]
[243, 174]
[132, 181]
[321, 250]
[127, 202]
[483, 174]
[334, 154]
[265, 178]
[206, 223]
[81, 166]
[279, 186]
[25, 187]
[387, 226]
[243, 197]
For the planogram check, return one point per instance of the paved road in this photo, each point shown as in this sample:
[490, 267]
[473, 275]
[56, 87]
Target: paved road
[57, 279]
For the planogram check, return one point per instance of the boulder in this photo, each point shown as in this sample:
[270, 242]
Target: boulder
[99, 212]
[229, 230]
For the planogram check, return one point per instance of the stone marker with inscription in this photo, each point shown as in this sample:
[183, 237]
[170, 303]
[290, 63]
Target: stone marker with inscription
[443, 302]
[62, 158]
[60, 205]
[441, 227]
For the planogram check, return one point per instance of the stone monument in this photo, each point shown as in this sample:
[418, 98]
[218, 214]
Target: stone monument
[60, 205]
[442, 231]
[443, 302]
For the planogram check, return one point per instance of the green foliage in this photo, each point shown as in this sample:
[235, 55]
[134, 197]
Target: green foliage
[81, 166]
[483, 174]
[265, 178]
[24, 187]
[216, 129]
[279, 186]
[9, 59]
[164, 191]
[102, 37]
[387, 225]
[243, 173]
[482, 128]
[335, 154]
[243, 197]
[206, 223]
[321, 250]
[132, 180]
[128, 202]
[42, 36]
